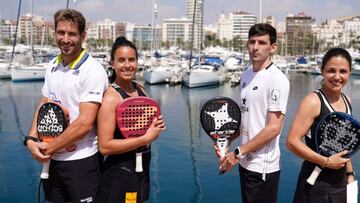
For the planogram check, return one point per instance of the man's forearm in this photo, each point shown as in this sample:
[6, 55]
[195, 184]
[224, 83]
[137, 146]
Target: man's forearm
[75, 132]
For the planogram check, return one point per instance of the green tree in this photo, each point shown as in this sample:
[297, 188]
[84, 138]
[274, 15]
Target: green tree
[212, 40]
[237, 44]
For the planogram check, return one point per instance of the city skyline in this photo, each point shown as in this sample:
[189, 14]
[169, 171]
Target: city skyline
[140, 11]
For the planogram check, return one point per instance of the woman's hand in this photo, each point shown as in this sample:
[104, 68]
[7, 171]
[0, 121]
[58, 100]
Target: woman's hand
[337, 161]
[156, 127]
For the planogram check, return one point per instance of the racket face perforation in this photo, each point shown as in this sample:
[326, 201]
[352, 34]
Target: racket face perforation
[135, 115]
[51, 120]
[220, 117]
[337, 132]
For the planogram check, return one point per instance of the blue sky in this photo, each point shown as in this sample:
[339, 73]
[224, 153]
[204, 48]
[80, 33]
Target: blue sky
[139, 11]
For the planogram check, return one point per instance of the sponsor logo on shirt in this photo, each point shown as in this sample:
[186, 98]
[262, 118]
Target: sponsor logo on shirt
[275, 95]
[93, 92]
[52, 97]
[76, 72]
[249, 157]
[243, 107]
[71, 148]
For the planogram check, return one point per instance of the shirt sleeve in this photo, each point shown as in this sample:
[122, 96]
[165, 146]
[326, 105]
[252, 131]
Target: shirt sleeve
[279, 94]
[94, 84]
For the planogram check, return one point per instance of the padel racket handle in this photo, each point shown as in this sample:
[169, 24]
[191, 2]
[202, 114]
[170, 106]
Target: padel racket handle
[314, 175]
[138, 162]
[45, 170]
[222, 143]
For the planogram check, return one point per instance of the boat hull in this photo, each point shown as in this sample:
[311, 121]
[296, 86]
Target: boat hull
[156, 77]
[200, 79]
[28, 74]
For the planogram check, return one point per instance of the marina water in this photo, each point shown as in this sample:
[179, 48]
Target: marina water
[184, 166]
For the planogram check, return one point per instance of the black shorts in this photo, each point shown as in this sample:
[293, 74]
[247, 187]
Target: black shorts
[119, 181]
[255, 190]
[322, 191]
[74, 181]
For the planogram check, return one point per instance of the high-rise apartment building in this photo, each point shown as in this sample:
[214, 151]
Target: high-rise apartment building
[236, 23]
[299, 34]
[106, 29]
[199, 19]
[176, 30]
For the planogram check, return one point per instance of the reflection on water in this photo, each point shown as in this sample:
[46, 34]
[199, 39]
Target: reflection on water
[184, 166]
[19, 175]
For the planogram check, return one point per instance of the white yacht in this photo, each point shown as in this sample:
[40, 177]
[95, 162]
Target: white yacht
[202, 75]
[233, 64]
[158, 74]
[163, 72]
[28, 73]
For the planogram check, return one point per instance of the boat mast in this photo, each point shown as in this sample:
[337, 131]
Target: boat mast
[260, 11]
[199, 35]
[153, 16]
[16, 30]
[1, 40]
[192, 34]
[31, 29]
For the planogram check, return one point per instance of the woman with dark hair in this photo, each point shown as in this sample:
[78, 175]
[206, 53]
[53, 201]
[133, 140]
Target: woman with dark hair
[337, 171]
[119, 179]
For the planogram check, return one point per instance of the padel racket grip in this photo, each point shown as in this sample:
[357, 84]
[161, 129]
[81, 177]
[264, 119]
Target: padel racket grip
[314, 175]
[45, 170]
[222, 143]
[138, 162]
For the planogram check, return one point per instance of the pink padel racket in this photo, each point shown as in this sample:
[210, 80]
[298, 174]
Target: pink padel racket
[134, 116]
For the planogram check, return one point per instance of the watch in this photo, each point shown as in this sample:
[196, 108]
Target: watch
[351, 173]
[26, 138]
[238, 153]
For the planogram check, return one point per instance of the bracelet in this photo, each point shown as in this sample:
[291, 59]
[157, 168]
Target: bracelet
[27, 138]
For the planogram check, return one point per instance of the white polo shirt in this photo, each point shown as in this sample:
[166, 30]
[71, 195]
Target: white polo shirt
[86, 81]
[261, 92]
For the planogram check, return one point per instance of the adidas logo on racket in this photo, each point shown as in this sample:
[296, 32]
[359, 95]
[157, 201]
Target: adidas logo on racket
[49, 124]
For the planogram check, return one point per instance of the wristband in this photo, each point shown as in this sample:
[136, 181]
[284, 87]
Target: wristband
[27, 138]
[351, 173]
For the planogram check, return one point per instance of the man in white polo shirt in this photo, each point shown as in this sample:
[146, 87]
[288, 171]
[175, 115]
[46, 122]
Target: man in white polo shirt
[77, 82]
[264, 95]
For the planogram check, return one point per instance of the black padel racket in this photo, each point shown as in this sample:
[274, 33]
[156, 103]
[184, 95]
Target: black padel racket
[220, 118]
[52, 120]
[134, 116]
[335, 133]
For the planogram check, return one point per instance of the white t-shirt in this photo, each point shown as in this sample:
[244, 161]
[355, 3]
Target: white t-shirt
[86, 82]
[261, 92]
